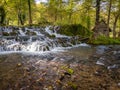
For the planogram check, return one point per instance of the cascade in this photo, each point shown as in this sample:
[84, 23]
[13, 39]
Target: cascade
[38, 40]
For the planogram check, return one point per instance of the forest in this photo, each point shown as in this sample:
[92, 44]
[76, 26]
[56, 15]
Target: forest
[59, 44]
[86, 13]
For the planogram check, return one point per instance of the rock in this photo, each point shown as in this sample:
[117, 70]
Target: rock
[19, 64]
[97, 74]
[100, 63]
[50, 88]
[112, 67]
[119, 84]
[70, 71]
[27, 69]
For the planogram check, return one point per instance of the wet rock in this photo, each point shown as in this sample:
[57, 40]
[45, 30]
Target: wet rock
[19, 64]
[1, 79]
[100, 63]
[112, 67]
[27, 69]
[119, 84]
[97, 74]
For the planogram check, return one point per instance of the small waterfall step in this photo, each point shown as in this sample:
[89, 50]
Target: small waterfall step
[34, 39]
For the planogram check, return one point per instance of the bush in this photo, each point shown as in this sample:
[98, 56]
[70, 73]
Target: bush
[43, 21]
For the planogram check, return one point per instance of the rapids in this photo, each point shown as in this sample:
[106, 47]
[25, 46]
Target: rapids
[34, 39]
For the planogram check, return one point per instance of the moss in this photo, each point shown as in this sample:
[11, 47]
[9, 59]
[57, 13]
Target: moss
[72, 85]
[52, 36]
[13, 33]
[5, 34]
[73, 30]
[105, 41]
[30, 33]
[70, 71]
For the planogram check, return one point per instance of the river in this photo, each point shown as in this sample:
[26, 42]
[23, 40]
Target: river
[35, 71]
[51, 61]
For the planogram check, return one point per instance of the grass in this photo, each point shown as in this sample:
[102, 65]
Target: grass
[105, 40]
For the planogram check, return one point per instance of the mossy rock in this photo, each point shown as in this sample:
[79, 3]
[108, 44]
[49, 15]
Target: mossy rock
[5, 34]
[73, 85]
[52, 36]
[73, 30]
[47, 48]
[51, 28]
[13, 33]
[30, 33]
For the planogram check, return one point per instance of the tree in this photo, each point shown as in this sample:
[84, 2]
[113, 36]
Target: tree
[109, 13]
[97, 11]
[70, 10]
[114, 24]
[116, 15]
[2, 15]
[16, 12]
[29, 9]
[2, 11]
[87, 8]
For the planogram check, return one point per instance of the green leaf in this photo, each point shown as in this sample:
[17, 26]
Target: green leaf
[70, 71]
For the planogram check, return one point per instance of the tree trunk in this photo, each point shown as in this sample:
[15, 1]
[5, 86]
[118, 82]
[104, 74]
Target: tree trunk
[114, 25]
[97, 11]
[2, 15]
[119, 29]
[20, 19]
[109, 12]
[70, 17]
[55, 17]
[30, 16]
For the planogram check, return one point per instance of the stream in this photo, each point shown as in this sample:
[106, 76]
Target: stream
[35, 71]
[42, 62]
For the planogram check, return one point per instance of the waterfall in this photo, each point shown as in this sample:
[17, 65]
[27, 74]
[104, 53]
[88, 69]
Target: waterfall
[39, 40]
[21, 32]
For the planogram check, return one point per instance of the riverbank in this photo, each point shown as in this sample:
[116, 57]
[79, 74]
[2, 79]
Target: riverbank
[54, 73]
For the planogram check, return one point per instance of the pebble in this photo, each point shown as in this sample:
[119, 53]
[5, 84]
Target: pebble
[112, 67]
[27, 69]
[119, 84]
[19, 64]
[97, 73]
[100, 63]
[114, 52]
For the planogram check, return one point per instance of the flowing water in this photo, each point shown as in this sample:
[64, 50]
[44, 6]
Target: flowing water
[45, 43]
[35, 48]
[35, 40]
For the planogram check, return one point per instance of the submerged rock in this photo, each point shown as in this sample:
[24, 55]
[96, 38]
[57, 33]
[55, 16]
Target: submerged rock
[19, 64]
[100, 63]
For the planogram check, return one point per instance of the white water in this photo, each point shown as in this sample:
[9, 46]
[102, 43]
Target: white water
[22, 33]
[53, 32]
[40, 43]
